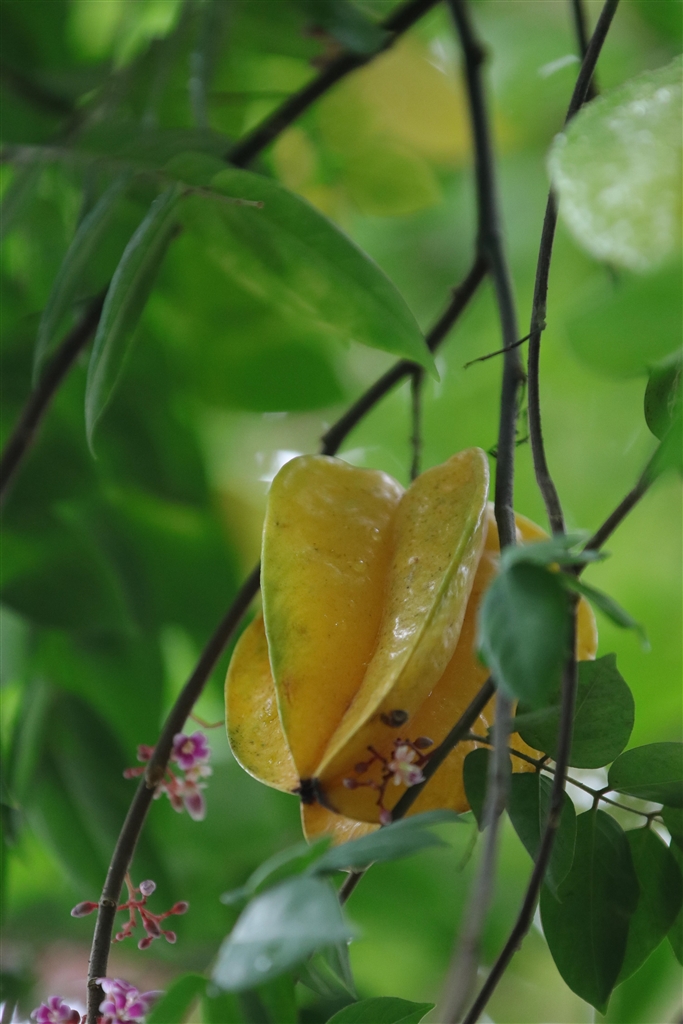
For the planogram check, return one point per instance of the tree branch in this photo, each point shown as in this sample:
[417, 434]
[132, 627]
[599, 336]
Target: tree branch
[398, 22]
[538, 311]
[462, 974]
[41, 397]
[616, 518]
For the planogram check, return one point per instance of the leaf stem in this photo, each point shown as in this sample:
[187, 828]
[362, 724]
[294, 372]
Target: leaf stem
[40, 399]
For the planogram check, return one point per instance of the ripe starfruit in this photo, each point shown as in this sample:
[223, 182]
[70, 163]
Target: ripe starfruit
[364, 656]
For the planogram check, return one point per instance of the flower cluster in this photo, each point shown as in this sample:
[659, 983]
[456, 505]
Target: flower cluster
[191, 754]
[55, 1011]
[403, 769]
[123, 1003]
[137, 904]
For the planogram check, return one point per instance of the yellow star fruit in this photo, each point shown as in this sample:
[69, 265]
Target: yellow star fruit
[364, 657]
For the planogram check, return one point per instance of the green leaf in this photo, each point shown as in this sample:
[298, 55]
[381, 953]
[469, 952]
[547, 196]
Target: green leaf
[277, 930]
[603, 717]
[401, 839]
[221, 1007]
[660, 900]
[382, 1010]
[587, 928]
[663, 394]
[617, 171]
[173, 1006]
[126, 298]
[673, 819]
[345, 23]
[675, 935]
[279, 999]
[306, 265]
[547, 552]
[475, 776]
[523, 632]
[88, 237]
[607, 605]
[328, 973]
[528, 807]
[669, 455]
[652, 772]
[292, 861]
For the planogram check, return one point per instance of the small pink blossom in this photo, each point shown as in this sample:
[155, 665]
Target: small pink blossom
[124, 1003]
[55, 1011]
[402, 769]
[190, 751]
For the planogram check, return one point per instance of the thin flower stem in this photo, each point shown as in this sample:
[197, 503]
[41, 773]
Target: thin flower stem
[538, 310]
[40, 399]
[416, 386]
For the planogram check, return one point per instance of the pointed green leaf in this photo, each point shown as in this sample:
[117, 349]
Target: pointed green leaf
[475, 777]
[528, 806]
[173, 1006]
[292, 861]
[90, 232]
[617, 171]
[663, 394]
[401, 839]
[279, 1000]
[603, 717]
[523, 633]
[126, 298]
[607, 605]
[547, 552]
[587, 927]
[660, 900]
[669, 455]
[306, 265]
[675, 935]
[652, 772]
[673, 819]
[382, 1010]
[328, 973]
[277, 930]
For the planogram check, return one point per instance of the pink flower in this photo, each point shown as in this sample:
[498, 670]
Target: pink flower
[124, 1004]
[402, 768]
[55, 1011]
[190, 751]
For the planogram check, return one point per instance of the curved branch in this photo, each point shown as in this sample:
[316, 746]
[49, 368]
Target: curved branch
[41, 397]
[538, 311]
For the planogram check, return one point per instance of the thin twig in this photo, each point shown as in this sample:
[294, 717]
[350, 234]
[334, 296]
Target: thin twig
[498, 352]
[463, 971]
[41, 397]
[132, 826]
[582, 37]
[339, 431]
[349, 884]
[416, 385]
[538, 311]
[604, 532]
[398, 22]
[569, 682]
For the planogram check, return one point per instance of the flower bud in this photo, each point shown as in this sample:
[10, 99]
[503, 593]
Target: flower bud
[84, 908]
[181, 907]
[170, 937]
[147, 887]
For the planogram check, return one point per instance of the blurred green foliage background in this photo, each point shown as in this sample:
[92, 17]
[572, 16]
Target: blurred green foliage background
[117, 568]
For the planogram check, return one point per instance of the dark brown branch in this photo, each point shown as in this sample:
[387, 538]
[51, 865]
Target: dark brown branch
[336, 435]
[538, 312]
[416, 386]
[41, 397]
[615, 519]
[398, 22]
[132, 826]
[498, 352]
[582, 37]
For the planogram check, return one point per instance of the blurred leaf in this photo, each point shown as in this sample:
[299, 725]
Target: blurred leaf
[307, 265]
[652, 772]
[126, 298]
[388, 179]
[675, 935]
[622, 327]
[523, 632]
[278, 998]
[660, 900]
[87, 239]
[344, 22]
[475, 778]
[27, 741]
[220, 1007]
[587, 927]
[548, 552]
[614, 612]
[382, 1010]
[673, 819]
[528, 807]
[15, 634]
[277, 868]
[617, 171]
[669, 455]
[663, 394]
[400, 839]
[603, 717]
[19, 193]
[173, 1006]
[328, 973]
[279, 929]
